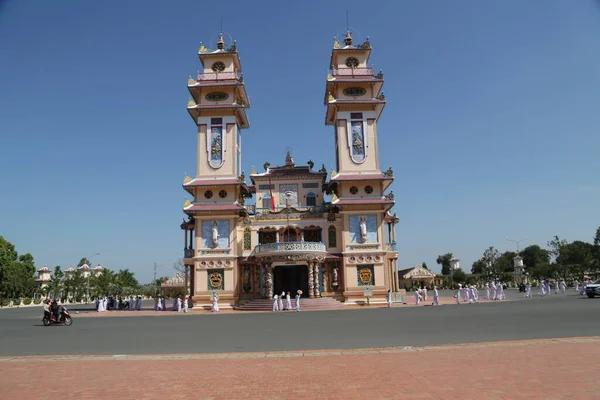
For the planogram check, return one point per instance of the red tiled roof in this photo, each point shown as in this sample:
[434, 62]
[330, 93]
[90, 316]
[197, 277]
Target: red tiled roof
[361, 177]
[351, 202]
[213, 207]
[213, 182]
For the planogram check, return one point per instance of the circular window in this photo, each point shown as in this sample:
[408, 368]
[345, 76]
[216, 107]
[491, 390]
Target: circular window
[219, 66]
[223, 194]
[368, 189]
[208, 194]
[216, 96]
[354, 91]
[351, 62]
[353, 190]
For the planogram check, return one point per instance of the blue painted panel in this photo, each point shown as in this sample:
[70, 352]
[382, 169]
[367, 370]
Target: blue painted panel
[372, 228]
[223, 233]
[206, 234]
[354, 229]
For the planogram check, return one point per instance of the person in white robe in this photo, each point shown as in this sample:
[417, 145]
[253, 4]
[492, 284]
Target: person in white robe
[528, 290]
[436, 297]
[476, 292]
[548, 289]
[215, 303]
[288, 301]
[458, 294]
[388, 298]
[500, 292]
[417, 297]
[583, 286]
[425, 293]
[158, 304]
[487, 291]
[275, 302]
[185, 304]
[179, 309]
[281, 301]
[563, 287]
[542, 289]
[101, 306]
[556, 287]
[298, 293]
[493, 291]
[576, 285]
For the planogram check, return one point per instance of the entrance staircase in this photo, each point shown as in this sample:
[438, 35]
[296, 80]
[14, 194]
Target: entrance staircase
[319, 303]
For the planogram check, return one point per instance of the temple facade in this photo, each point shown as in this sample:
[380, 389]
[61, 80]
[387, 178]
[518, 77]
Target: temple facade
[290, 227]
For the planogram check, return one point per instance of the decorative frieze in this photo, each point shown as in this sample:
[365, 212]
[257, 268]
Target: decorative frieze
[364, 258]
[216, 264]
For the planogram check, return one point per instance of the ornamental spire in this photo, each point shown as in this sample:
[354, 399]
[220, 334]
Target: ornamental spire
[221, 42]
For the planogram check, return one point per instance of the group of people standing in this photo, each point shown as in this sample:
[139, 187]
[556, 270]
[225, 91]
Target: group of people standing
[420, 295]
[118, 303]
[179, 304]
[278, 301]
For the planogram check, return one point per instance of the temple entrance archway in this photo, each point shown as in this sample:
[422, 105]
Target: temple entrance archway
[290, 278]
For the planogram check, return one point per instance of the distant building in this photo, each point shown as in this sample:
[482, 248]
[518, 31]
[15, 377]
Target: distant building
[44, 277]
[416, 277]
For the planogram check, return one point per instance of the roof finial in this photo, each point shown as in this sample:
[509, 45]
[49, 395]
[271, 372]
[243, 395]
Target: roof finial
[289, 161]
[221, 42]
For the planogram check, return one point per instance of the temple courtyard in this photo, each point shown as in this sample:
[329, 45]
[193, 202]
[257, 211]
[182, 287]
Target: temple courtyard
[529, 349]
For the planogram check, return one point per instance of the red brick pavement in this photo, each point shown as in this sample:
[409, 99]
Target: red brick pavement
[544, 369]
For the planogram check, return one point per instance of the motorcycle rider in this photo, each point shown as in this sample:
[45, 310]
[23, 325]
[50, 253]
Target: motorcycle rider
[47, 309]
[55, 310]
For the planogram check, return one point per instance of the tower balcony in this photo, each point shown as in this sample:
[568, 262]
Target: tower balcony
[368, 71]
[289, 248]
[218, 76]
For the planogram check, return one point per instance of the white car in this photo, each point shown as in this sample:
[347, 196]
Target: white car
[593, 289]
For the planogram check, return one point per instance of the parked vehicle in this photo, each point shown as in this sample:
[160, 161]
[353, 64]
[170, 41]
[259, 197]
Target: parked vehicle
[593, 289]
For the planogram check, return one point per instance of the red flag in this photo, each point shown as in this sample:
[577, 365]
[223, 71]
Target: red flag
[271, 193]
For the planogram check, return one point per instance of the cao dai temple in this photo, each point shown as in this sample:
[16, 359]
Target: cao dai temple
[247, 238]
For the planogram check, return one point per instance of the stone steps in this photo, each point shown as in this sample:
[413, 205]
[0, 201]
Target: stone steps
[321, 303]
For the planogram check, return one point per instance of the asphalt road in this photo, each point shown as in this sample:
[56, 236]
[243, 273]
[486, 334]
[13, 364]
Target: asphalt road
[21, 331]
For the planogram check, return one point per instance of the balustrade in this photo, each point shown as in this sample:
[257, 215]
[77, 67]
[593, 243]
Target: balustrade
[368, 71]
[217, 76]
[290, 247]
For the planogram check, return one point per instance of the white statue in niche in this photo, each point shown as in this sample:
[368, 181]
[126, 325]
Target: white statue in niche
[335, 283]
[363, 229]
[215, 234]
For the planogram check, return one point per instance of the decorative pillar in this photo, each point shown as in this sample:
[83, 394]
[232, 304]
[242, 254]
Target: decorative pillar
[269, 281]
[325, 267]
[185, 279]
[316, 278]
[302, 235]
[311, 282]
[276, 236]
[185, 239]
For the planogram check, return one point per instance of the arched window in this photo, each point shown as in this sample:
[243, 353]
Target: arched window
[266, 201]
[247, 239]
[311, 199]
[332, 236]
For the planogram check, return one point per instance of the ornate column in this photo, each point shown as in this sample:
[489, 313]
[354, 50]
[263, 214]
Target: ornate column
[325, 267]
[316, 278]
[311, 282]
[277, 236]
[269, 281]
[185, 239]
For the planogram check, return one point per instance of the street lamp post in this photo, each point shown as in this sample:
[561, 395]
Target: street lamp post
[516, 241]
[88, 277]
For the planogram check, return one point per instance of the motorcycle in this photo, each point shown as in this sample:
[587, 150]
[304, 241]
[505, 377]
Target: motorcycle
[65, 318]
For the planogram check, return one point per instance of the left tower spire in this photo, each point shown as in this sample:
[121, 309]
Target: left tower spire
[218, 106]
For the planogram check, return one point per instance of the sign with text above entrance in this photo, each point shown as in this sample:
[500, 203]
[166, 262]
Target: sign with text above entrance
[368, 292]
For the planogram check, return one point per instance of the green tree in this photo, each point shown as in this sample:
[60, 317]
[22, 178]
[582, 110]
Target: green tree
[577, 259]
[424, 265]
[444, 261]
[101, 284]
[459, 276]
[533, 256]
[55, 287]
[490, 260]
[478, 267]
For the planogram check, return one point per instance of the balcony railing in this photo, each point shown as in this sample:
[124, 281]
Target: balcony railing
[217, 76]
[368, 71]
[290, 247]
[261, 210]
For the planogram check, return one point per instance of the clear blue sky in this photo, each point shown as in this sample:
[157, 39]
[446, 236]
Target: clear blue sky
[491, 124]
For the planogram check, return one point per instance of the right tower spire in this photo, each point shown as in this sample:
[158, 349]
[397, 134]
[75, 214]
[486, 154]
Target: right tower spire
[354, 103]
